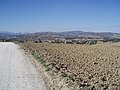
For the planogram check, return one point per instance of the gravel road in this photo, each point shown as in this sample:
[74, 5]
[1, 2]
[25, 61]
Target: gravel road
[16, 70]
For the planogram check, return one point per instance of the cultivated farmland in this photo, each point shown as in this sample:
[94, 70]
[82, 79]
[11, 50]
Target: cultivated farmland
[96, 67]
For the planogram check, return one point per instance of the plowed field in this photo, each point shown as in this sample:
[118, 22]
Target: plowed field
[94, 66]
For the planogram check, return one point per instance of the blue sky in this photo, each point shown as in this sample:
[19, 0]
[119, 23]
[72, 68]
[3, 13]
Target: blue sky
[60, 15]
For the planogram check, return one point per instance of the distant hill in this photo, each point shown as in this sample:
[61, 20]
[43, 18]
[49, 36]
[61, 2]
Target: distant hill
[8, 35]
[53, 35]
[71, 34]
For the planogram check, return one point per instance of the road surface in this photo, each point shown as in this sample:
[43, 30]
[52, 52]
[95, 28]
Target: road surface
[16, 70]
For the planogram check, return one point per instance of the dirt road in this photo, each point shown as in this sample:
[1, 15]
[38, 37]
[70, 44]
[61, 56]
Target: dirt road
[16, 70]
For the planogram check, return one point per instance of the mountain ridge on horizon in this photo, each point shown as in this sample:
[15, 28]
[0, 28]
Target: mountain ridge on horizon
[66, 34]
[60, 32]
[71, 34]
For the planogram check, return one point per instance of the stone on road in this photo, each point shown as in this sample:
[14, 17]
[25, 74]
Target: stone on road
[16, 70]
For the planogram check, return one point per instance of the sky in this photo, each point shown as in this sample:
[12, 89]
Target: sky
[60, 15]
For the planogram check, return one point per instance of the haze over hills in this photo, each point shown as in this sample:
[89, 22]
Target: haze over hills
[71, 34]
[8, 35]
[68, 34]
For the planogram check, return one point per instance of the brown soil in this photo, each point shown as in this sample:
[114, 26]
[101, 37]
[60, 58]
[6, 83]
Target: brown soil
[95, 67]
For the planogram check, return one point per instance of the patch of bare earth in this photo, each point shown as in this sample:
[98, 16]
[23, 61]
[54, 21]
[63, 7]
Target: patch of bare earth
[79, 67]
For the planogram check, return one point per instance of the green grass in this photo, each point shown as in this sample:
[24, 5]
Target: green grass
[52, 73]
[63, 74]
[33, 53]
[42, 61]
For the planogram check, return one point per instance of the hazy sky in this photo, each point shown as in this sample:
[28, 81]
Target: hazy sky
[60, 15]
